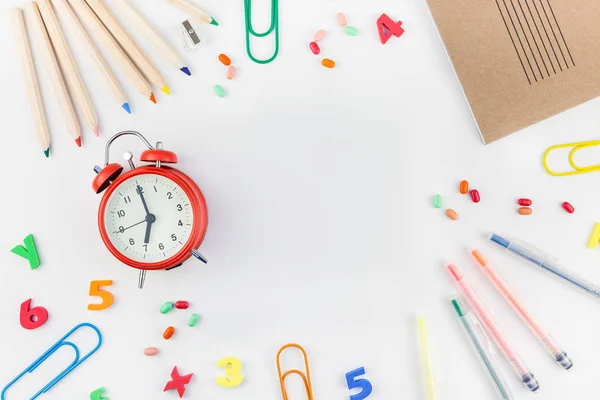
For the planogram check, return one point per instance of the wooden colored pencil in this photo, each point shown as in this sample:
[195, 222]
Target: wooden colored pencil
[58, 83]
[138, 57]
[112, 47]
[31, 82]
[68, 67]
[151, 34]
[86, 42]
[194, 11]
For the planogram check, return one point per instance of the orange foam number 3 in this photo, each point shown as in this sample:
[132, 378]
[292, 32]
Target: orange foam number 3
[107, 298]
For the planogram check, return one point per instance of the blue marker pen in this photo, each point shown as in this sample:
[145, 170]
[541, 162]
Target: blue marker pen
[545, 262]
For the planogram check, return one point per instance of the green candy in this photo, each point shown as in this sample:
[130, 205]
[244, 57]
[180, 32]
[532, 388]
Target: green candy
[437, 201]
[219, 91]
[193, 319]
[351, 31]
[166, 307]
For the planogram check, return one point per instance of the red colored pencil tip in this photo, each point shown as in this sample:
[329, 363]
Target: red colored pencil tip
[152, 98]
[78, 141]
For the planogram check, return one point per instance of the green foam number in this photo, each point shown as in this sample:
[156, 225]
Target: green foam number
[97, 394]
[29, 252]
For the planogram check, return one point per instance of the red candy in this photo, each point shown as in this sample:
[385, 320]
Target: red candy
[475, 196]
[568, 207]
[314, 47]
[524, 202]
[182, 305]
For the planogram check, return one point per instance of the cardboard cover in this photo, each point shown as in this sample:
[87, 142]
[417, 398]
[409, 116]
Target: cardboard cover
[521, 61]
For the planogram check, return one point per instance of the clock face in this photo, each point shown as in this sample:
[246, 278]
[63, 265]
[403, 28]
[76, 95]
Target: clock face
[148, 218]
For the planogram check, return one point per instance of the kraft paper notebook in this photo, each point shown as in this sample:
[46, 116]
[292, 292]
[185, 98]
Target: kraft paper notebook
[521, 61]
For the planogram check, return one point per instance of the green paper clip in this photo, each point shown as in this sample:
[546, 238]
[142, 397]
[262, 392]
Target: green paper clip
[250, 30]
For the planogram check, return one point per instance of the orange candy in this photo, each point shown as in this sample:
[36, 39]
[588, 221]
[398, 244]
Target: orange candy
[453, 215]
[525, 211]
[224, 59]
[464, 187]
[327, 63]
[169, 333]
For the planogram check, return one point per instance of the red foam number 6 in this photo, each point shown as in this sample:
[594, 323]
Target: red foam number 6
[32, 318]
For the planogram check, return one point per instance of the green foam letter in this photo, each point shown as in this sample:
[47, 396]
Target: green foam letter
[29, 252]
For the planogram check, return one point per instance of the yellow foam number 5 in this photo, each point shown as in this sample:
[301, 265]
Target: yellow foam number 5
[233, 372]
[107, 297]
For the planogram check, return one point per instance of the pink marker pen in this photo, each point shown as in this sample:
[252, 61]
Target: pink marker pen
[557, 354]
[525, 376]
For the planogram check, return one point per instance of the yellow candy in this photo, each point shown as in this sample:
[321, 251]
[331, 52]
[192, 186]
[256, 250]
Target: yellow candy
[595, 238]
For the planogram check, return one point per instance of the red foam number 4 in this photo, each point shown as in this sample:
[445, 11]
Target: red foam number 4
[387, 27]
[32, 318]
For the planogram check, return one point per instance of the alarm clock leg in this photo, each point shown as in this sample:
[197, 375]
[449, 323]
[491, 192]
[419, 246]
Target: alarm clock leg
[199, 256]
[142, 278]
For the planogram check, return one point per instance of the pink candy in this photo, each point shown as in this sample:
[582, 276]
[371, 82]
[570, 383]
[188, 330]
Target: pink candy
[319, 35]
[230, 72]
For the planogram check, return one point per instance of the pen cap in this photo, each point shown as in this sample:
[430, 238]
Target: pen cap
[454, 271]
[524, 250]
[478, 257]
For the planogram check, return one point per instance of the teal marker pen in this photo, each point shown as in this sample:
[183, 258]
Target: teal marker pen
[468, 323]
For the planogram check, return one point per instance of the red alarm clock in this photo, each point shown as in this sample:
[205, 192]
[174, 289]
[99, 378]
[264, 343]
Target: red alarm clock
[153, 216]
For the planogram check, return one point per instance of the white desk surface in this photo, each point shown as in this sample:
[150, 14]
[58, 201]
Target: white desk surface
[319, 186]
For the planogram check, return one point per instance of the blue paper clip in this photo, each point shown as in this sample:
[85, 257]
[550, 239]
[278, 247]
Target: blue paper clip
[51, 351]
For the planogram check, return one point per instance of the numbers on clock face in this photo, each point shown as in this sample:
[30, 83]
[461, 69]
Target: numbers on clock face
[148, 218]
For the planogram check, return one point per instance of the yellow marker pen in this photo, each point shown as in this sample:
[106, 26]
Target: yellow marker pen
[426, 363]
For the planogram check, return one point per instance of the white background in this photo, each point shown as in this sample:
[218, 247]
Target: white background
[319, 186]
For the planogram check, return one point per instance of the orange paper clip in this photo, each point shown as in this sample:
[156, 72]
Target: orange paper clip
[305, 377]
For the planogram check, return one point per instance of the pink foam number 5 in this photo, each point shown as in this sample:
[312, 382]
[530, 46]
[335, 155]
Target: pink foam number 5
[363, 384]
[32, 318]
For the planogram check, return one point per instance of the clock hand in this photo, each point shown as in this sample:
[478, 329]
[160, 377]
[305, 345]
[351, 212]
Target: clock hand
[141, 192]
[150, 219]
[119, 231]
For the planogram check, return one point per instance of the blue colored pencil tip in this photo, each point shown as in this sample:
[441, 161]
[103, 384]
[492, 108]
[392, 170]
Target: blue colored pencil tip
[126, 107]
[186, 71]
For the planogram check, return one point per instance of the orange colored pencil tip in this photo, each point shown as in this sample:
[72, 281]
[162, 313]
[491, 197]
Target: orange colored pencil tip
[478, 257]
[78, 141]
[152, 98]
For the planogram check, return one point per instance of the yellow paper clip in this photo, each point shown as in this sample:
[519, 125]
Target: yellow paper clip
[575, 148]
[76, 362]
[305, 377]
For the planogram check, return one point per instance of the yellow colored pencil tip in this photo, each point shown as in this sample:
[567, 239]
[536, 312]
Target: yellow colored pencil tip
[166, 90]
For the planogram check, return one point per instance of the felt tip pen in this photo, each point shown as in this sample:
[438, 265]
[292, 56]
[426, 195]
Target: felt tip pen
[517, 365]
[528, 319]
[480, 343]
[546, 262]
[426, 362]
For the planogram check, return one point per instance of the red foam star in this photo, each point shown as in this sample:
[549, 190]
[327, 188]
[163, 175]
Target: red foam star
[178, 382]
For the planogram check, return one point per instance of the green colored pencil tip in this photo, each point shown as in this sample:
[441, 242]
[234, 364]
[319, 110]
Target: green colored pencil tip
[47, 152]
[214, 22]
